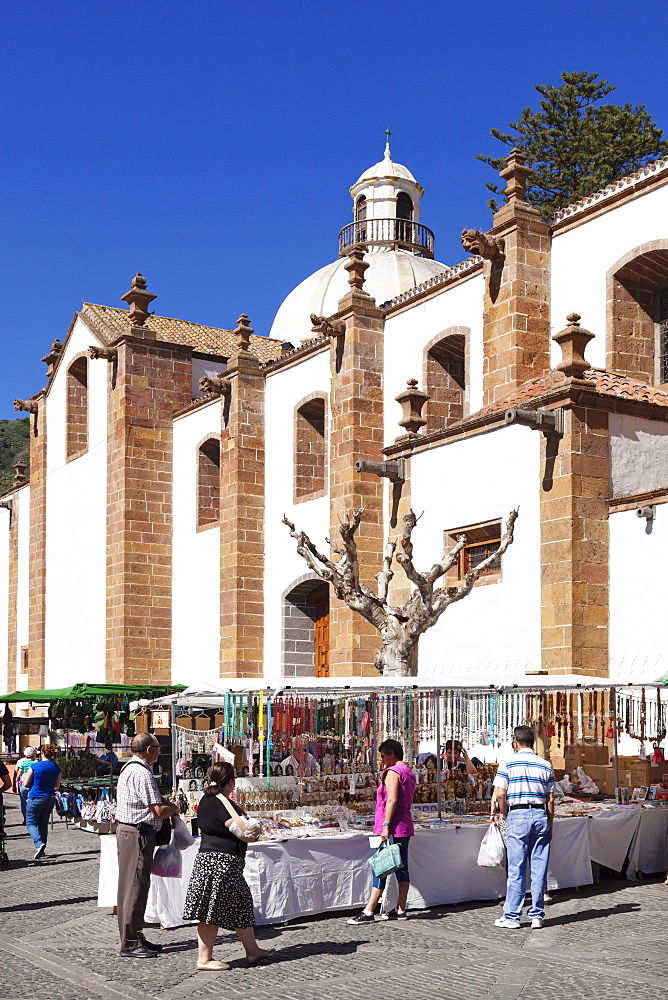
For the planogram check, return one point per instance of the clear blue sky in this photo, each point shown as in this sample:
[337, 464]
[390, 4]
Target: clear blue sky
[211, 144]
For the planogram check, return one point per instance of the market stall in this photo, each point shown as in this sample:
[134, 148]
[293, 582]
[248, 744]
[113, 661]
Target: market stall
[303, 877]
[306, 760]
[85, 725]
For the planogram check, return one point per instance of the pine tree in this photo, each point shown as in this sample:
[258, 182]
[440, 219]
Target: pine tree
[574, 147]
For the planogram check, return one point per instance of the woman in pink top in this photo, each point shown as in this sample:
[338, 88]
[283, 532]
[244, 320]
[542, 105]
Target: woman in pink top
[394, 799]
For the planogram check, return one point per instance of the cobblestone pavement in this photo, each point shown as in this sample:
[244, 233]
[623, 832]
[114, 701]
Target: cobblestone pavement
[605, 942]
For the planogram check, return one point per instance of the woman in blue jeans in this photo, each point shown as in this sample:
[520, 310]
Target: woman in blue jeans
[41, 780]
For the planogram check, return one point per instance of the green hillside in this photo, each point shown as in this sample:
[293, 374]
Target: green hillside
[14, 447]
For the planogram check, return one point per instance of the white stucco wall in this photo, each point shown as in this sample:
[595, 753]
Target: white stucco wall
[196, 557]
[283, 565]
[638, 559]
[76, 527]
[408, 333]
[582, 257]
[22, 499]
[495, 631]
[638, 454]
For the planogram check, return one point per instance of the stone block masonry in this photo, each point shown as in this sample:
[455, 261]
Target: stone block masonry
[12, 595]
[37, 566]
[574, 545]
[242, 522]
[356, 432]
[516, 327]
[152, 379]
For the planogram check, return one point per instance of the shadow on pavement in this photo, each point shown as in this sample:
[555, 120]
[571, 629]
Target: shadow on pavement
[46, 862]
[609, 911]
[43, 904]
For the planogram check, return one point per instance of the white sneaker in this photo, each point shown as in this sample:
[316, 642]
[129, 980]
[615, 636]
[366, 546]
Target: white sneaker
[536, 923]
[509, 925]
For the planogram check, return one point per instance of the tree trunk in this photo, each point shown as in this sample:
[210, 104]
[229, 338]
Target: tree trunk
[398, 658]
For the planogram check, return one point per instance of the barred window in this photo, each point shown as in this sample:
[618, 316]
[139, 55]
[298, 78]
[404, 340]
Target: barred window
[663, 335]
[481, 541]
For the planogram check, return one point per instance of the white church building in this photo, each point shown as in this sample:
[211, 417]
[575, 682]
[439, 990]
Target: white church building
[147, 543]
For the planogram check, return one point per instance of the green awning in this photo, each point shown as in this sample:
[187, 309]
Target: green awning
[80, 691]
[662, 680]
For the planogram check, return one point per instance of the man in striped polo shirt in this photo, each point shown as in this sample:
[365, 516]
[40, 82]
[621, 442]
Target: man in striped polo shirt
[524, 792]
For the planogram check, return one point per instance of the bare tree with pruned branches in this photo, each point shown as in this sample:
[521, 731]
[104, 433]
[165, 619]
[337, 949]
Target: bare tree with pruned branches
[400, 627]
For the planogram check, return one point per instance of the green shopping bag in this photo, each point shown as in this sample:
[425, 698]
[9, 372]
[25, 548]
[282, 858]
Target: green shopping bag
[386, 860]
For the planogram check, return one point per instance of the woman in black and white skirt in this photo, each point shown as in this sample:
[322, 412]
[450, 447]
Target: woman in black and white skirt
[218, 895]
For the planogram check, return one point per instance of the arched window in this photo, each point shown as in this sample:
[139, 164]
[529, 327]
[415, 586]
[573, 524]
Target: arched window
[77, 408]
[310, 449]
[663, 336]
[208, 483]
[360, 219]
[360, 209]
[445, 380]
[404, 218]
[404, 206]
[638, 314]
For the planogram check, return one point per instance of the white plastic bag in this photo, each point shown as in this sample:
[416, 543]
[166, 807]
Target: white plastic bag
[587, 784]
[492, 852]
[167, 861]
[181, 835]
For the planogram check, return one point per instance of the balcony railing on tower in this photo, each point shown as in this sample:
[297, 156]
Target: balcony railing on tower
[399, 234]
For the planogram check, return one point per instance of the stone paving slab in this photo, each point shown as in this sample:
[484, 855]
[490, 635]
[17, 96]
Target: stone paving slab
[606, 942]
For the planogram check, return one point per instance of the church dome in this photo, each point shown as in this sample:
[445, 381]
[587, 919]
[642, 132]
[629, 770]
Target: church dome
[385, 168]
[390, 273]
[397, 247]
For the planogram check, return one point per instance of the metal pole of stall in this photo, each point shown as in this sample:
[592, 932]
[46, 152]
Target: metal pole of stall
[172, 727]
[614, 735]
[437, 695]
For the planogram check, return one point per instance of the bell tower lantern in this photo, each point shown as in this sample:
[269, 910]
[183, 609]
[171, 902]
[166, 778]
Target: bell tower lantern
[386, 211]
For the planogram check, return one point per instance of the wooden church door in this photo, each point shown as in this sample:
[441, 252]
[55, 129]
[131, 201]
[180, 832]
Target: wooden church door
[322, 634]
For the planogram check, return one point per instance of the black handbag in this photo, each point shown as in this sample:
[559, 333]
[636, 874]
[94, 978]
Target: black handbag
[164, 834]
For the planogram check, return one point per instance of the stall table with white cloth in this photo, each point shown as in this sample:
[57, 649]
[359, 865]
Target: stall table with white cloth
[630, 830]
[301, 877]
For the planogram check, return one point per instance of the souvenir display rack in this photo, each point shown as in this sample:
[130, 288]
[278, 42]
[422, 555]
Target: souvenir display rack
[327, 738]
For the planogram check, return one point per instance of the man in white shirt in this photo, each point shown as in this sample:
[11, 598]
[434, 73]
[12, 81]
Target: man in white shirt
[524, 791]
[140, 810]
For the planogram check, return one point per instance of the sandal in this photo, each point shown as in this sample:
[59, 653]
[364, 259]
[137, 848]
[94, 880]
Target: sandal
[256, 959]
[212, 966]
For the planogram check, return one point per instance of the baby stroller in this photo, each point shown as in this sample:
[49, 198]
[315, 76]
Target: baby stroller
[4, 859]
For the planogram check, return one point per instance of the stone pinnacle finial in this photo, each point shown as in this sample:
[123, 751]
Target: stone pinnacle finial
[356, 266]
[138, 300]
[412, 400]
[243, 333]
[573, 342]
[20, 477]
[516, 174]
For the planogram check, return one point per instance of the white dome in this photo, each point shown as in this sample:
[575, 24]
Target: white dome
[385, 168]
[390, 273]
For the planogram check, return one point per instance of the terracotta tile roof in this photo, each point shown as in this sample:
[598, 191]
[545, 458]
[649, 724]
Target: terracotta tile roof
[606, 382]
[656, 168]
[111, 322]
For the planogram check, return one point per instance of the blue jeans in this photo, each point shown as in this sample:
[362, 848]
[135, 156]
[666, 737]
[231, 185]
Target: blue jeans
[528, 841]
[402, 874]
[38, 812]
[23, 796]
